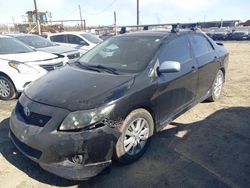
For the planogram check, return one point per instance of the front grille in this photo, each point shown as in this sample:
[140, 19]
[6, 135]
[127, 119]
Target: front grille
[32, 118]
[52, 67]
[73, 56]
[25, 148]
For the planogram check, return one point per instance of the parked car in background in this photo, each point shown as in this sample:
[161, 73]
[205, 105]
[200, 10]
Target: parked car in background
[79, 40]
[219, 35]
[110, 102]
[107, 36]
[20, 65]
[238, 35]
[46, 45]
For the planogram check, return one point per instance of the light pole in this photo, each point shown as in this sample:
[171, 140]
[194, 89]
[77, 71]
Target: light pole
[115, 24]
[137, 13]
[37, 19]
[80, 12]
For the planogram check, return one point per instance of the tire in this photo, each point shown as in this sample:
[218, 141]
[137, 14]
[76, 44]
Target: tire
[217, 87]
[137, 128]
[7, 89]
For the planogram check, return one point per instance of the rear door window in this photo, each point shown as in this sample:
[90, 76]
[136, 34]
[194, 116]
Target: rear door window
[58, 38]
[200, 45]
[175, 50]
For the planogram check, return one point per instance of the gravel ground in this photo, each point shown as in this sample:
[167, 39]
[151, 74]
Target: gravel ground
[208, 146]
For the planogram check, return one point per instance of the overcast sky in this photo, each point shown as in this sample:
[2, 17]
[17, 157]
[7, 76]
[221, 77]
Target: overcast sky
[151, 11]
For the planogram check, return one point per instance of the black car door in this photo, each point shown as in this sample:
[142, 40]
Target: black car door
[176, 90]
[206, 59]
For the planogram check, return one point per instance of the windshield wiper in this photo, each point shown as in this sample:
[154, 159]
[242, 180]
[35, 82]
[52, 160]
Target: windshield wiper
[21, 52]
[107, 69]
[88, 67]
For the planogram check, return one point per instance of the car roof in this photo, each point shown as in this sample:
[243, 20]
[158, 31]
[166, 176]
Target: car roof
[69, 32]
[158, 33]
[148, 33]
[4, 36]
[20, 34]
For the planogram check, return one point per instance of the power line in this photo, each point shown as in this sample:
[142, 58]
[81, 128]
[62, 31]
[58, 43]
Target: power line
[102, 11]
[74, 11]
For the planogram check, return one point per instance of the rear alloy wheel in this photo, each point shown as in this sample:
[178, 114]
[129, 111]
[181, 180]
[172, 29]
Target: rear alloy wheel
[217, 87]
[136, 132]
[7, 89]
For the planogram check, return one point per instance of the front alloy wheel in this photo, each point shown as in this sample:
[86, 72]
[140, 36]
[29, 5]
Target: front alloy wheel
[136, 130]
[136, 136]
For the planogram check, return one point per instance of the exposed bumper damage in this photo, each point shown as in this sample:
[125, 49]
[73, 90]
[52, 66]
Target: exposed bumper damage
[72, 155]
[69, 171]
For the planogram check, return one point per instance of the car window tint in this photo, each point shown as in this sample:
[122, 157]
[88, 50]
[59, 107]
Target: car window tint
[74, 39]
[110, 50]
[57, 38]
[125, 54]
[200, 45]
[13, 46]
[35, 41]
[175, 50]
[91, 38]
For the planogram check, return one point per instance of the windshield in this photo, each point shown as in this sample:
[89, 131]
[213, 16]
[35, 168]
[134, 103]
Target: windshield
[13, 46]
[91, 38]
[35, 41]
[124, 54]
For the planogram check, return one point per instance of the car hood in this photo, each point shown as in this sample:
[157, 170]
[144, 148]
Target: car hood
[57, 49]
[29, 57]
[75, 89]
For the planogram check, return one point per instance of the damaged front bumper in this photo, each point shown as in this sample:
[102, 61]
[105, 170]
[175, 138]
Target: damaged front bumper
[54, 150]
[81, 172]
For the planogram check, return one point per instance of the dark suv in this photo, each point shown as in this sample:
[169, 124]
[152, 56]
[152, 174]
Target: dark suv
[108, 104]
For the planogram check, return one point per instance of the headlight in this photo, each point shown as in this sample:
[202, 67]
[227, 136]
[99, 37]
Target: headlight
[65, 60]
[81, 119]
[22, 68]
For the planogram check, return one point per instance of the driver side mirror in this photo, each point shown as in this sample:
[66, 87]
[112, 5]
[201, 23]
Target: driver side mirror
[169, 67]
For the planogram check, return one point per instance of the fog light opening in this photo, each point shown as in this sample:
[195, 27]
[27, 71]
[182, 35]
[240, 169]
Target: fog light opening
[77, 159]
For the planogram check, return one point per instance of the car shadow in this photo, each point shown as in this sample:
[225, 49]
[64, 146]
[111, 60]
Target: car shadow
[197, 154]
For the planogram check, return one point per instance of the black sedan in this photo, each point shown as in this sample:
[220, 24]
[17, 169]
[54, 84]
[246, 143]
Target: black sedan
[238, 35]
[75, 120]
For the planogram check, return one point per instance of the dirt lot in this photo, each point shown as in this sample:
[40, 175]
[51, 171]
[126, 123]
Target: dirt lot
[209, 146]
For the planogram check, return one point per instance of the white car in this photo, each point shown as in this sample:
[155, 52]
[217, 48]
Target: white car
[79, 40]
[44, 45]
[20, 65]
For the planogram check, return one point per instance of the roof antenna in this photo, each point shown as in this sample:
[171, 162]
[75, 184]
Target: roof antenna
[175, 28]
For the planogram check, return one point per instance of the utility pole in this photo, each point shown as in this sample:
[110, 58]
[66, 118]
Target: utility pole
[37, 19]
[115, 25]
[84, 21]
[137, 13]
[80, 12]
[14, 25]
[221, 23]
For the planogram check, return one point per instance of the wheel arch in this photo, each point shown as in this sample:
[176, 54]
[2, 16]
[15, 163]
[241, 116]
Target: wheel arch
[149, 109]
[224, 72]
[5, 75]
